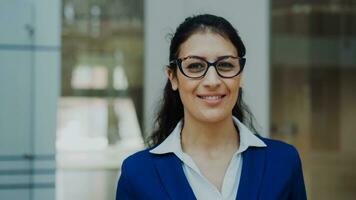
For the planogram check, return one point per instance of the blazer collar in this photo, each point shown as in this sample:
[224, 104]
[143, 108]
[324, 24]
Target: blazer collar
[172, 144]
[253, 170]
[170, 171]
[169, 168]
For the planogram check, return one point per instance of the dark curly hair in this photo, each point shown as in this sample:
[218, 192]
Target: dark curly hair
[171, 108]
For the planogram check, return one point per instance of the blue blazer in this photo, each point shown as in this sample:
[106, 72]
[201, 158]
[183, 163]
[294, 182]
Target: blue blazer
[268, 173]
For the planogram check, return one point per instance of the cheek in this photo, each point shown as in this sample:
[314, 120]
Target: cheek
[186, 92]
[186, 86]
[236, 96]
[234, 88]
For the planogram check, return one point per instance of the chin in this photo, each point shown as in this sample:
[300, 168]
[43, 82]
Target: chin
[211, 117]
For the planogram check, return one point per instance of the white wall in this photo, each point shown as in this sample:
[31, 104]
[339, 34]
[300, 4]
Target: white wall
[250, 18]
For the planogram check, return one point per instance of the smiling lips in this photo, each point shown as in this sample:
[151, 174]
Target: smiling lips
[212, 99]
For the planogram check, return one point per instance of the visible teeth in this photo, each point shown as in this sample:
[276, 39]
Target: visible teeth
[211, 97]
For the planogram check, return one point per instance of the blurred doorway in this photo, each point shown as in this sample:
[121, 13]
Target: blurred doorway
[313, 69]
[100, 109]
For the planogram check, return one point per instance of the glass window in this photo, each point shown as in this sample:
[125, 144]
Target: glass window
[313, 68]
[102, 74]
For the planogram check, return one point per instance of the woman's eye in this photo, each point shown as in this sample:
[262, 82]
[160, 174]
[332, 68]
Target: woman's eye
[195, 66]
[225, 65]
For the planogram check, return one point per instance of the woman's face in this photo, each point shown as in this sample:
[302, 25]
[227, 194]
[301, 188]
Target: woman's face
[211, 98]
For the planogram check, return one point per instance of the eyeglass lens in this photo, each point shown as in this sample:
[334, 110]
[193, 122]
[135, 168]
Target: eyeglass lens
[196, 67]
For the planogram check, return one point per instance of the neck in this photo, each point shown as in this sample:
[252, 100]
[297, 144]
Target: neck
[209, 136]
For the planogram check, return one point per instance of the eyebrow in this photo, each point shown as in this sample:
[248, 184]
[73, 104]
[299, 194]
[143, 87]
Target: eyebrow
[203, 57]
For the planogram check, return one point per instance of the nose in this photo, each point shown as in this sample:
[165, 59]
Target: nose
[211, 78]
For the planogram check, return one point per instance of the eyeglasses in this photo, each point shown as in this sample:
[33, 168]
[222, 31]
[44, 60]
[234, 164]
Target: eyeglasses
[196, 67]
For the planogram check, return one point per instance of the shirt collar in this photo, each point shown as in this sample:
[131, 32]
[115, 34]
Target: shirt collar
[172, 144]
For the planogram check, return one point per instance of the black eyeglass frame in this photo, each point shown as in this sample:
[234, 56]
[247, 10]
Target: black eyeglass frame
[178, 62]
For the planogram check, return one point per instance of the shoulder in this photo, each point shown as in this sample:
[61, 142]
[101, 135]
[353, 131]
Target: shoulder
[141, 161]
[283, 166]
[138, 160]
[137, 171]
[141, 167]
[279, 151]
[278, 146]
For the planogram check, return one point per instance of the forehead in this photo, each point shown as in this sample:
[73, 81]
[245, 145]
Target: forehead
[208, 45]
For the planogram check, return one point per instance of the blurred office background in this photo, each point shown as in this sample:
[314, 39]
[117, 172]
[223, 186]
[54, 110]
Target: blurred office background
[80, 82]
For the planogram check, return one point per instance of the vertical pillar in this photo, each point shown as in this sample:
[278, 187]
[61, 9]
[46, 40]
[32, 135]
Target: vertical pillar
[29, 88]
[46, 76]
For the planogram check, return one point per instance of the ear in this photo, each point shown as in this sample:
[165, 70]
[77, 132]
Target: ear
[172, 78]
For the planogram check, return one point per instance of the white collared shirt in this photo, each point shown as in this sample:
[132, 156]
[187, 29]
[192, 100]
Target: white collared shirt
[203, 189]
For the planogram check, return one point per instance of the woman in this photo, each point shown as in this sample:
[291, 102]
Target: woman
[201, 149]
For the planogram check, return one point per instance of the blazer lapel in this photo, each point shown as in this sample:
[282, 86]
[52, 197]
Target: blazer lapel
[253, 168]
[171, 173]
